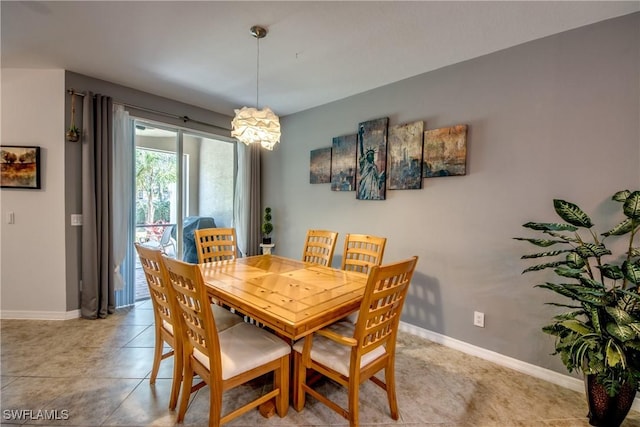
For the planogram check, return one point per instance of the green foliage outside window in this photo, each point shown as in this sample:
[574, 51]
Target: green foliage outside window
[155, 173]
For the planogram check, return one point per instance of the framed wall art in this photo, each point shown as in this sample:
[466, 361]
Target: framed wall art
[320, 166]
[372, 159]
[20, 167]
[343, 163]
[445, 151]
[405, 156]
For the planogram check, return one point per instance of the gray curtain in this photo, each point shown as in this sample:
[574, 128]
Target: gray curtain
[254, 234]
[97, 297]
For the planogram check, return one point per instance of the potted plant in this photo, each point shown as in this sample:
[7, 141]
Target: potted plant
[267, 227]
[73, 134]
[599, 335]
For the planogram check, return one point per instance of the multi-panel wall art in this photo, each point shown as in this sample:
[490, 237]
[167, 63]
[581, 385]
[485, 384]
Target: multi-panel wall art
[397, 157]
[343, 163]
[405, 156]
[371, 159]
[445, 151]
[320, 166]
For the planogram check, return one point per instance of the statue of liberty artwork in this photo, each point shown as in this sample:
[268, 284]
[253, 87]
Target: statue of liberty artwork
[372, 153]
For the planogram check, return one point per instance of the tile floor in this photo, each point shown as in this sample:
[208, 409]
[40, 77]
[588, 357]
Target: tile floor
[95, 373]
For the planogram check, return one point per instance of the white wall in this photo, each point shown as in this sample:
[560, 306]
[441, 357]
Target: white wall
[554, 118]
[32, 258]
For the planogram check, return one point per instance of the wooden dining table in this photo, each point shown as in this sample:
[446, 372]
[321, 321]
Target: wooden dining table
[289, 296]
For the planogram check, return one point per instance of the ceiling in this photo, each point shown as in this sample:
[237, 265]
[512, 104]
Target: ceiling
[202, 53]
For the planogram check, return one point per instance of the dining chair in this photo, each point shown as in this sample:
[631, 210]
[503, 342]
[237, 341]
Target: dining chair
[319, 246]
[216, 244]
[348, 353]
[362, 251]
[224, 359]
[167, 322]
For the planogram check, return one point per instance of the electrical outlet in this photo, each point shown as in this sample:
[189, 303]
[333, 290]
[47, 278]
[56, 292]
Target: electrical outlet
[478, 319]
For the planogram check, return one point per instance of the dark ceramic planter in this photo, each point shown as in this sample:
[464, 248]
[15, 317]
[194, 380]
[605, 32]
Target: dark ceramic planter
[606, 411]
[266, 240]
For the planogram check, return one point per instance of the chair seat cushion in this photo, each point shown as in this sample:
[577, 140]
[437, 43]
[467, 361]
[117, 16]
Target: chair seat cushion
[224, 318]
[244, 347]
[337, 356]
[168, 326]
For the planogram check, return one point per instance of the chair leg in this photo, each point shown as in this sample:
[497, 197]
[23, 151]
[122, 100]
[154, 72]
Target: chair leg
[157, 357]
[281, 382]
[215, 405]
[354, 414]
[187, 381]
[177, 378]
[390, 379]
[299, 378]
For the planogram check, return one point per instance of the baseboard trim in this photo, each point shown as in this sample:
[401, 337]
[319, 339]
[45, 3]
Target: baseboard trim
[553, 377]
[39, 315]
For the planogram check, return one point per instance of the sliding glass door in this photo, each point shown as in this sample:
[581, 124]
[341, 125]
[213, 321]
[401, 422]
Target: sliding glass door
[184, 180]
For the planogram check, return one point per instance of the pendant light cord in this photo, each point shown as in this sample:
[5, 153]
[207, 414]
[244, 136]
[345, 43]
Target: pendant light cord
[258, 75]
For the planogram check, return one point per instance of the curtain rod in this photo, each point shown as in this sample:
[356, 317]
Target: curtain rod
[185, 119]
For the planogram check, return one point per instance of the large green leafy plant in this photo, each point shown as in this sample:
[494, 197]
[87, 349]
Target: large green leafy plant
[600, 334]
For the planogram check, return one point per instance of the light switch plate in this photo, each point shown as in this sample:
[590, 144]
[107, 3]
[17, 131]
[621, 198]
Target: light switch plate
[76, 219]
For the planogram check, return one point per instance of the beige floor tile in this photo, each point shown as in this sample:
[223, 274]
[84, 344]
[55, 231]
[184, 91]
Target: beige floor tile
[146, 338]
[146, 406]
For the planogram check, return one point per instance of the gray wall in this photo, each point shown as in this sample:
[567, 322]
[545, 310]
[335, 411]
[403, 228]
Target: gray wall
[553, 118]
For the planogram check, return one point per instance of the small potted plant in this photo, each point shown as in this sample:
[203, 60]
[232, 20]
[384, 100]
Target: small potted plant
[267, 227]
[599, 334]
[73, 134]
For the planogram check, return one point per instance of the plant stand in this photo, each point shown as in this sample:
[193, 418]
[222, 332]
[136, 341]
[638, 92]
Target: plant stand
[266, 248]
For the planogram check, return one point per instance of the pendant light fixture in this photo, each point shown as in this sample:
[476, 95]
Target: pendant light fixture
[251, 125]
